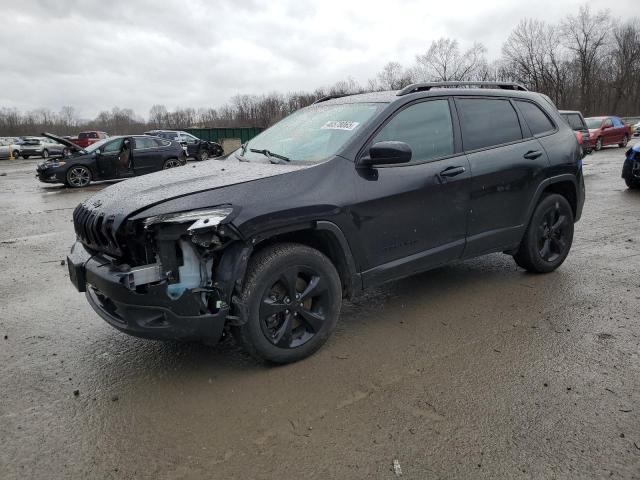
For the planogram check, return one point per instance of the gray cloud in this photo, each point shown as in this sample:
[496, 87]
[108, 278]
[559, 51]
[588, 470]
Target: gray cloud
[93, 54]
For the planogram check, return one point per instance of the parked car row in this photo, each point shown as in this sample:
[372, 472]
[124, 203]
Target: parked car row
[26, 147]
[110, 158]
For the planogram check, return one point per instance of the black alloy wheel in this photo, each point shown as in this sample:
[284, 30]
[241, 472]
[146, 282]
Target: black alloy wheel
[552, 231]
[78, 176]
[294, 307]
[292, 296]
[548, 238]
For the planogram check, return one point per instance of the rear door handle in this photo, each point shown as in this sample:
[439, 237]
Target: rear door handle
[532, 154]
[452, 171]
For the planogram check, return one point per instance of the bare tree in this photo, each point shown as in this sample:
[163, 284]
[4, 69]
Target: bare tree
[444, 61]
[393, 77]
[586, 35]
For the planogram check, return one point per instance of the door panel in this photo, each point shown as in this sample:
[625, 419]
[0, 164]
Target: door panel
[504, 181]
[412, 217]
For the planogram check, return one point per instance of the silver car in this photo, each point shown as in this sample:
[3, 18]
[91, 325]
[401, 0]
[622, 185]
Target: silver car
[42, 147]
[9, 146]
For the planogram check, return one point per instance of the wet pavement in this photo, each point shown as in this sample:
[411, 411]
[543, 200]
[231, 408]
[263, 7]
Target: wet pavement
[476, 370]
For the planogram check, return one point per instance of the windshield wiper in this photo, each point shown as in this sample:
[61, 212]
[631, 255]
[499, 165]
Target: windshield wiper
[270, 155]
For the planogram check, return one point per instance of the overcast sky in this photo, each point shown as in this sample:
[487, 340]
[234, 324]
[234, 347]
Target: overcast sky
[96, 54]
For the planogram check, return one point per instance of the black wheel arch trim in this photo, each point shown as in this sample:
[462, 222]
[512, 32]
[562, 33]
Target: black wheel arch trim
[565, 177]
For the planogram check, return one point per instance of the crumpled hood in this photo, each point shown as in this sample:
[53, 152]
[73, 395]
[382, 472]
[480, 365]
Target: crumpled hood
[130, 196]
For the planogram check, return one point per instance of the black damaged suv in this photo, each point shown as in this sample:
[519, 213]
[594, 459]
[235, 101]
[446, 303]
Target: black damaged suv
[338, 197]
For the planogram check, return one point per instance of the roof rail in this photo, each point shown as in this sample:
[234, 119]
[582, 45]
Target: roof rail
[330, 97]
[424, 87]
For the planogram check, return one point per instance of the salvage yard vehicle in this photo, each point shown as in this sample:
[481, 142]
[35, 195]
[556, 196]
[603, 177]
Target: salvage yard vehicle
[194, 146]
[30, 146]
[576, 121]
[338, 197]
[631, 168]
[9, 147]
[605, 131]
[105, 160]
[84, 139]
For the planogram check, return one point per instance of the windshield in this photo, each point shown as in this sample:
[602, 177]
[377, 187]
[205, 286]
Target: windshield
[312, 134]
[593, 123]
[94, 146]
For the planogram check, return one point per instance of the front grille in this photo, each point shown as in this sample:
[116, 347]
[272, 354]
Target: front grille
[95, 230]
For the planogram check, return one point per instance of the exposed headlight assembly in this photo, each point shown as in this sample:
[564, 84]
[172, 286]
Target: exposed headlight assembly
[202, 219]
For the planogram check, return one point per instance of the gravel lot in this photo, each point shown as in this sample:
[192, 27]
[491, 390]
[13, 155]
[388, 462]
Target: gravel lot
[477, 370]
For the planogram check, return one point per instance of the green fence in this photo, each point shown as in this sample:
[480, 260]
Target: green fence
[217, 134]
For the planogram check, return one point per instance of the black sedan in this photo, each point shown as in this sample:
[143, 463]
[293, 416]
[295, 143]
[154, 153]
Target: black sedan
[111, 158]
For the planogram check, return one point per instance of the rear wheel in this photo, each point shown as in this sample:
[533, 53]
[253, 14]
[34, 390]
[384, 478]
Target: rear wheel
[632, 183]
[599, 144]
[16, 153]
[78, 176]
[548, 238]
[172, 163]
[293, 297]
[624, 142]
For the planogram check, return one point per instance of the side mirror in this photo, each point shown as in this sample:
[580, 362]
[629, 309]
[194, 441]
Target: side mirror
[386, 153]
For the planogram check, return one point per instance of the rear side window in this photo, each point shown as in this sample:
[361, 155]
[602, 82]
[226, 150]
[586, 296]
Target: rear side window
[537, 120]
[574, 121]
[617, 122]
[487, 122]
[145, 142]
[426, 127]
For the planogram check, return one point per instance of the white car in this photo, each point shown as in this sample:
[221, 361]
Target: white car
[9, 145]
[636, 130]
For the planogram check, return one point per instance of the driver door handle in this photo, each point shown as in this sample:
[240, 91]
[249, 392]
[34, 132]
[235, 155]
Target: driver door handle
[532, 154]
[452, 171]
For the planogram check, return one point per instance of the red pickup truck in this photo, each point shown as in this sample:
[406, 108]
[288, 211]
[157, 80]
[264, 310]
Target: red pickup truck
[607, 131]
[87, 138]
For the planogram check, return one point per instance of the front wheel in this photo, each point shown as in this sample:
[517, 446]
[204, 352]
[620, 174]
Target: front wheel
[16, 154]
[599, 144]
[78, 176]
[203, 155]
[548, 238]
[45, 154]
[293, 297]
[624, 142]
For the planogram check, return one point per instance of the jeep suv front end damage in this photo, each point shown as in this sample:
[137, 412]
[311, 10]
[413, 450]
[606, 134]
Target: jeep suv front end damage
[166, 276]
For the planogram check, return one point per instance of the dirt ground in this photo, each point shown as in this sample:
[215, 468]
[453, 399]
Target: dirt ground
[476, 370]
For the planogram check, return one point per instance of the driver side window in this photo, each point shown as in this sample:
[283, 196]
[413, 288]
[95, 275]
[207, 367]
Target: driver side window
[426, 127]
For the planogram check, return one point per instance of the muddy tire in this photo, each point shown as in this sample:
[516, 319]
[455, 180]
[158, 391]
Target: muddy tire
[293, 296]
[632, 183]
[547, 240]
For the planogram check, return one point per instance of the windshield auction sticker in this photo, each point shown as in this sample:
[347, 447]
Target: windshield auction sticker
[339, 125]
